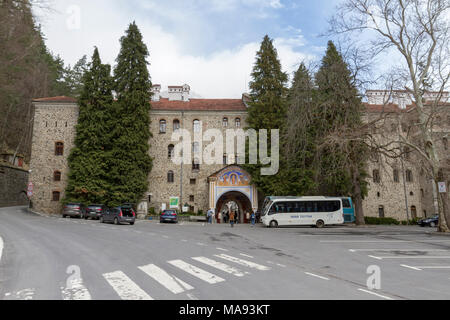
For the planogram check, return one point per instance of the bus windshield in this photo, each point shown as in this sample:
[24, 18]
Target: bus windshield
[266, 206]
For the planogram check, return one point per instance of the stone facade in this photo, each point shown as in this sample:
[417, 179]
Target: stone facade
[55, 120]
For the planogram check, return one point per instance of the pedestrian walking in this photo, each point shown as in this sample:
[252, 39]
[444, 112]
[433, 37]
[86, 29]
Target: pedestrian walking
[253, 218]
[210, 215]
[232, 216]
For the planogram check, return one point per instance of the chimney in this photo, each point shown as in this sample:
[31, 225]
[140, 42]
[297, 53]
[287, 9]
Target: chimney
[179, 93]
[156, 91]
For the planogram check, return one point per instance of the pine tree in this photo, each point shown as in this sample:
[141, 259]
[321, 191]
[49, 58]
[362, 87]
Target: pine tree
[340, 168]
[130, 162]
[88, 182]
[267, 107]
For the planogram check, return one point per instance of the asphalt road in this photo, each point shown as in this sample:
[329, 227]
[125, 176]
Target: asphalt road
[50, 258]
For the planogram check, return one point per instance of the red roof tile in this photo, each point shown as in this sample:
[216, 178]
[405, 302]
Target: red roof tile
[200, 105]
[56, 99]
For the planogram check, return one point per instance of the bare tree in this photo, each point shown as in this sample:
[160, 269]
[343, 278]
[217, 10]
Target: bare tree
[417, 31]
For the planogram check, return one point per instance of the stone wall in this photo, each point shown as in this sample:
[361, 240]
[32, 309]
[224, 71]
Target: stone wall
[13, 186]
[53, 122]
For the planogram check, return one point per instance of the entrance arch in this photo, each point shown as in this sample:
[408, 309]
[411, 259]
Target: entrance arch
[232, 184]
[233, 200]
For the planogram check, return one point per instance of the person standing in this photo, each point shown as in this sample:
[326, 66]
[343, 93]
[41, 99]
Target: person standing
[210, 215]
[253, 218]
[232, 216]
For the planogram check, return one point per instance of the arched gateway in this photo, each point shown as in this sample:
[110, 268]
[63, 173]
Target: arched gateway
[230, 189]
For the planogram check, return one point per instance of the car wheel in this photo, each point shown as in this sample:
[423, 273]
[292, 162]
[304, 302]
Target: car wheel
[432, 224]
[116, 221]
[273, 224]
[131, 223]
[320, 224]
[64, 216]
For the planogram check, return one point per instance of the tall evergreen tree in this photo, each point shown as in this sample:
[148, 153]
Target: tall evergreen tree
[267, 107]
[340, 166]
[88, 180]
[130, 162]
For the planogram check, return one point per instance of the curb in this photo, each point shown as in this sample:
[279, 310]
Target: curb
[435, 233]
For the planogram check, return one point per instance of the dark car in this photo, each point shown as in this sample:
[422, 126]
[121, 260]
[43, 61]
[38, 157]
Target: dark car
[77, 210]
[169, 216]
[95, 211]
[431, 222]
[119, 215]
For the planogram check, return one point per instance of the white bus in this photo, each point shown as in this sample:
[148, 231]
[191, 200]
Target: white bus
[314, 211]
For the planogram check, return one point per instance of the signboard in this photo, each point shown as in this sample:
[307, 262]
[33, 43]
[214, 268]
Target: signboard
[163, 207]
[442, 187]
[174, 202]
[30, 190]
[185, 209]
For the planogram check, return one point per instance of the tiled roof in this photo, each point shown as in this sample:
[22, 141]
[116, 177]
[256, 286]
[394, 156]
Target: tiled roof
[200, 105]
[56, 99]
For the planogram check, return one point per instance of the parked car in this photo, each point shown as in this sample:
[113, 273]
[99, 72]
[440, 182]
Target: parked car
[169, 216]
[94, 211]
[77, 210]
[431, 222]
[119, 215]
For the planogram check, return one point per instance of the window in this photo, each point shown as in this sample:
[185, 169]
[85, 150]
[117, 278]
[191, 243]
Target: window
[346, 203]
[149, 198]
[225, 159]
[305, 206]
[406, 151]
[237, 122]
[381, 211]
[409, 176]
[59, 148]
[196, 147]
[171, 151]
[197, 126]
[176, 125]
[162, 126]
[445, 143]
[193, 181]
[170, 177]
[225, 122]
[191, 198]
[376, 176]
[56, 196]
[195, 164]
[422, 193]
[191, 208]
[57, 176]
[396, 176]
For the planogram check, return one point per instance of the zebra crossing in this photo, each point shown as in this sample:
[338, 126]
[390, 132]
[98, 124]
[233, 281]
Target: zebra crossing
[127, 289]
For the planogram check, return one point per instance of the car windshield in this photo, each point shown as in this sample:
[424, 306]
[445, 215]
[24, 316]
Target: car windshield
[169, 212]
[94, 206]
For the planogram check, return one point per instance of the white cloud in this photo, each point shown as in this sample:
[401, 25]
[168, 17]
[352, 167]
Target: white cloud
[222, 74]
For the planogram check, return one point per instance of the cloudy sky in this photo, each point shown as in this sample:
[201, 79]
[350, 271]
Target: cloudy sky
[209, 44]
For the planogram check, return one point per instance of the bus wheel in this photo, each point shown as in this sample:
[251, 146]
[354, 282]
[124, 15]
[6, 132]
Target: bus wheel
[273, 224]
[320, 224]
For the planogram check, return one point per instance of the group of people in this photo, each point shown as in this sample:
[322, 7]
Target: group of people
[231, 217]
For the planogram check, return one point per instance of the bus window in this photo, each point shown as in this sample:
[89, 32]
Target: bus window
[346, 203]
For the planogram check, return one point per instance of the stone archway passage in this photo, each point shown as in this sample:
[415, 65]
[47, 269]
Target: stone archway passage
[243, 203]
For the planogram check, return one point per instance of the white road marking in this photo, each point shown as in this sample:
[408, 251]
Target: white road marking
[243, 262]
[25, 294]
[1, 248]
[221, 266]
[379, 241]
[246, 255]
[163, 278]
[221, 249]
[184, 284]
[196, 272]
[166, 237]
[281, 265]
[201, 244]
[433, 267]
[376, 294]
[317, 276]
[414, 268]
[431, 250]
[125, 287]
[411, 257]
[191, 296]
[77, 291]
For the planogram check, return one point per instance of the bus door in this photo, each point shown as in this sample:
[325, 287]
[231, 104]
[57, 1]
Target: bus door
[349, 210]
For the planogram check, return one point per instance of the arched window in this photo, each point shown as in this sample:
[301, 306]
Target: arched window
[56, 195]
[396, 176]
[59, 148]
[162, 126]
[170, 177]
[376, 176]
[409, 176]
[237, 122]
[225, 122]
[171, 151]
[196, 126]
[57, 176]
[196, 164]
[176, 125]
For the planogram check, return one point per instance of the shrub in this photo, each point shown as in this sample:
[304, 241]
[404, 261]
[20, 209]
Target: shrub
[381, 221]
